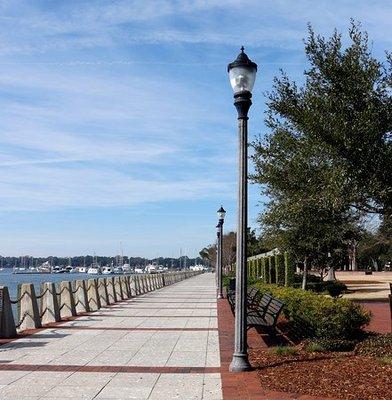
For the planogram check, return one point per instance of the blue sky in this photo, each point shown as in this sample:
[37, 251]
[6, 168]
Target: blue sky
[116, 117]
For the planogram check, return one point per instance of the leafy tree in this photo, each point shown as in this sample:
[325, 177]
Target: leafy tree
[326, 161]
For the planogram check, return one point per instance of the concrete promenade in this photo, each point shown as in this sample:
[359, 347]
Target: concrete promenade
[161, 345]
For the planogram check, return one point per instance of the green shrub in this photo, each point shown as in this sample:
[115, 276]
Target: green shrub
[385, 360]
[226, 279]
[314, 347]
[272, 269]
[331, 345]
[267, 269]
[334, 289]
[258, 268]
[289, 269]
[279, 269]
[284, 351]
[378, 346]
[317, 316]
[317, 287]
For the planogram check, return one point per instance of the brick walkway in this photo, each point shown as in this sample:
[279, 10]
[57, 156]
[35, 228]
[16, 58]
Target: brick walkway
[381, 316]
[162, 345]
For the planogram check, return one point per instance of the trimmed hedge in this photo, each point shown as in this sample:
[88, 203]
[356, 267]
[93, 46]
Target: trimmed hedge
[267, 275]
[289, 267]
[311, 315]
[279, 269]
[272, 269]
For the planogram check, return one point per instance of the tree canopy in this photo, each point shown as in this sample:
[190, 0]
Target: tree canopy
[326, 160]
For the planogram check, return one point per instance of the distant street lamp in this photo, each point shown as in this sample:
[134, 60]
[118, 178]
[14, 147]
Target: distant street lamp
[221, 219]
[242, 75]
[217, 259]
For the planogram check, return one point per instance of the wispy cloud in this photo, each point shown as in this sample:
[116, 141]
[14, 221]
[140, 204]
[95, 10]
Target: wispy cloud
[113, 105]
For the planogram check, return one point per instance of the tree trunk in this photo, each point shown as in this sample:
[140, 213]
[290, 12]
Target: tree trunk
[305, 274]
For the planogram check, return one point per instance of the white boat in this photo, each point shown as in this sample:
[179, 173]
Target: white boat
[45, 267]
[58, 270]
[83, 269]
[118, 270]
[139, 271]
[94, 270]
[127, 269]
[69, 268]
[152, 268]
[107, 270]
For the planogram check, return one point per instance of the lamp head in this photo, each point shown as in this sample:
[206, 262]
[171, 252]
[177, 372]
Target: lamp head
[221, 214]
[242, 73]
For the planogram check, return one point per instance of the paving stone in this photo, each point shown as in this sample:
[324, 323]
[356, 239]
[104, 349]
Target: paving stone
[100, 356]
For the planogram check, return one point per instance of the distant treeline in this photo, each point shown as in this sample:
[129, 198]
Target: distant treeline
[27, 261]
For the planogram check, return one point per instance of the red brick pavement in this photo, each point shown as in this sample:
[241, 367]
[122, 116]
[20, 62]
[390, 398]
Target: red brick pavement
[244, 385]
[381, 316]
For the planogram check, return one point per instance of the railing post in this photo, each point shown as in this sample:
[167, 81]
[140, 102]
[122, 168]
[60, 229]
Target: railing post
[113, 289]
[92, 294]
[123, 285]
[7, 322]
[81, 297]
[50, 311]
[144, 284]
[137, 284]
[29, 312]
[134, 290]
[102, 293]
[117, 288]
[127, 282]
[67, 303]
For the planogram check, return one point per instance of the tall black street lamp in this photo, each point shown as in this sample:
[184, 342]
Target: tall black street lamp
[242, 74]
[217, 258]
[221, 219]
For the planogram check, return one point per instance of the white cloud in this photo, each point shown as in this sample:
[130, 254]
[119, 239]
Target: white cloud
[43, 188]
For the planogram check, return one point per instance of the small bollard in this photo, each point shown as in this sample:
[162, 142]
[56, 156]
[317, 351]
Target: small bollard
[124, 287]
[28, 312]
[92, 295]
[111, 290]
[102, 292]
[138, 285]
[50, 310]
[142, 284]
[7, 323]
[117, 288]
[81, 297]
[128, 286]
[67, 302]
[132, 286]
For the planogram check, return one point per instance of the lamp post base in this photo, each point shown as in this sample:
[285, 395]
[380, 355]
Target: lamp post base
[240, 363]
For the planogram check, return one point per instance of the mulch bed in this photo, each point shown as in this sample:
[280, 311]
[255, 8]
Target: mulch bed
[335, 375]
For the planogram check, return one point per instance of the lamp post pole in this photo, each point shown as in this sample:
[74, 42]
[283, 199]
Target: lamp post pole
[242, 73]
[220, 286]
[217, 269]
[221, 218]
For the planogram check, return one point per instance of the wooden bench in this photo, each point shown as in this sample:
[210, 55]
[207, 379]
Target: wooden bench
[267, 314]
[251, 296]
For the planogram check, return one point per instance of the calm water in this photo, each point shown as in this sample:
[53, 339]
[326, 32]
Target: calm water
[7, 278]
